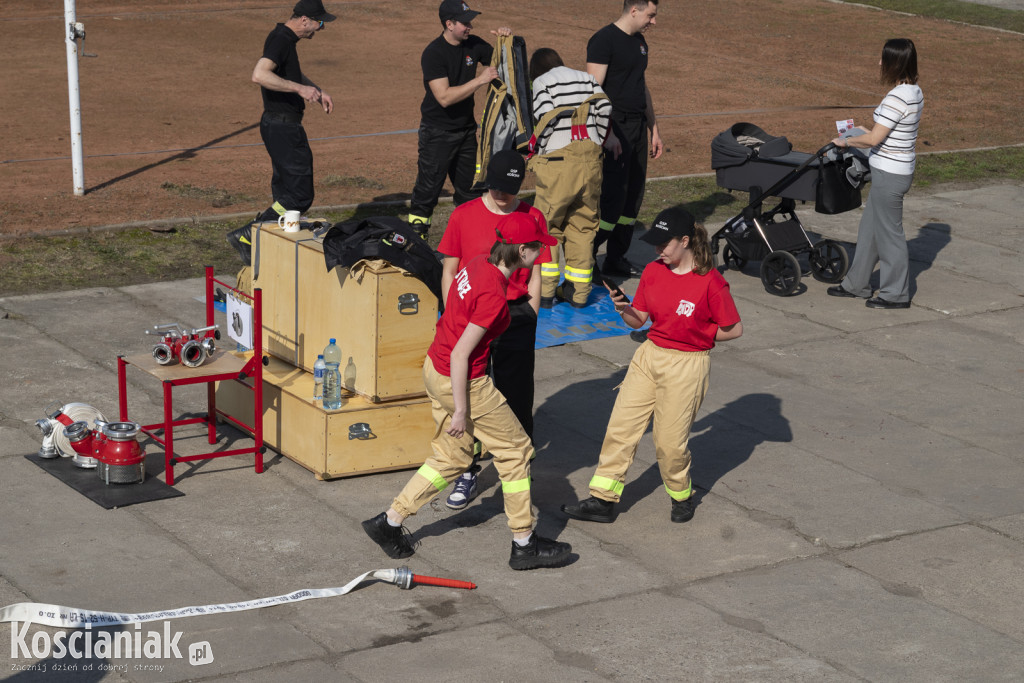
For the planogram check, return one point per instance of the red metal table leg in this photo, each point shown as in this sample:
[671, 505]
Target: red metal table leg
[168, 433]
[211, 413]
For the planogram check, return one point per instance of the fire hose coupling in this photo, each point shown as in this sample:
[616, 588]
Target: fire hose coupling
[191, 349]
[114, 446]
[405, 579]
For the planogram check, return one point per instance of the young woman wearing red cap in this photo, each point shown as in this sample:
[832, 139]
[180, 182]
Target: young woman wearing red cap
[465, 402]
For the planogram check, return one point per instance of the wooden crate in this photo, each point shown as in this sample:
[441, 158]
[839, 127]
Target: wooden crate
[297, 427]
[384, 321]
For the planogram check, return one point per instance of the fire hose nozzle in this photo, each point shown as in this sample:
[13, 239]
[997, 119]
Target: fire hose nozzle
[405, 579]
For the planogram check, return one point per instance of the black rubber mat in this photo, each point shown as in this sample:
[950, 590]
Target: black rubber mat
[89, 484]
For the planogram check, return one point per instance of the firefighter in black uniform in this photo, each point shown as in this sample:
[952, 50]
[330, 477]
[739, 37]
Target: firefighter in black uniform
[447, 134]
[285, 91]
[617, 58]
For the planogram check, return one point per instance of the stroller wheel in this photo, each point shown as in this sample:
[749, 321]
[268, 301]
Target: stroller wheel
[829, 261]
[733, 260]
[780, 273]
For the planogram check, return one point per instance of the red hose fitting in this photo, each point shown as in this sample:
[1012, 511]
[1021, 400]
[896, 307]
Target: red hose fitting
[444, 583]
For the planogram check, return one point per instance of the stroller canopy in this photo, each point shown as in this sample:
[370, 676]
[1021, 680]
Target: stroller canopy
[743, 142]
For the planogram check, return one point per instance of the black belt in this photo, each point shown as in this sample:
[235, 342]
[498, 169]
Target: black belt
[282, 117]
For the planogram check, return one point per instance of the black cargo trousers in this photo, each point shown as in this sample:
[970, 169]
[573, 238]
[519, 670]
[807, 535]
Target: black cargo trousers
[443, 153]
[292, 162]
[622, 189]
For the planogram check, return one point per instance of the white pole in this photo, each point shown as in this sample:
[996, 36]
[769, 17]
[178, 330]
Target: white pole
[74, 101]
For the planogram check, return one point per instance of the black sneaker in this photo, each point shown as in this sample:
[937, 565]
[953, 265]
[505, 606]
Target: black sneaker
[391, 539]
[539, 552]
[682, 510]
[591, 510]
[241, 240]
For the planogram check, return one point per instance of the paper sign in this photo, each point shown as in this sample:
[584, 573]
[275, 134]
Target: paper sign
[239, 320]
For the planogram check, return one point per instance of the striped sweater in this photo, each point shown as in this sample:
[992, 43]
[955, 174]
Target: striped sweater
[900, 111]
[562, 87]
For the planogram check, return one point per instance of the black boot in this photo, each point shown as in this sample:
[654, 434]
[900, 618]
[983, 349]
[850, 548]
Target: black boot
[591, 510]
[539, 552]
[682, 510]
[391, 539]
[565, 292]
[241, 240]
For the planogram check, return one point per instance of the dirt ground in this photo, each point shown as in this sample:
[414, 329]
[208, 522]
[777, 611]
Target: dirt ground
[170, 115]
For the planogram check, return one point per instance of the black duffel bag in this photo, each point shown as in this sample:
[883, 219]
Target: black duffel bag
[383, 237]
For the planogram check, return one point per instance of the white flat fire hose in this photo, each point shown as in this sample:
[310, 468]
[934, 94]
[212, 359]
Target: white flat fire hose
[72, 617]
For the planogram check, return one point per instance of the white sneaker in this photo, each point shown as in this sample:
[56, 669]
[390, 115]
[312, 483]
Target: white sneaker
[465, 491]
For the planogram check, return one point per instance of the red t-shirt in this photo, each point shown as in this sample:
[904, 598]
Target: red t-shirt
[470, 232]
[686, 310]
[477, 296]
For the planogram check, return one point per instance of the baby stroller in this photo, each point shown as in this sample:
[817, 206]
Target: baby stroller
[745, 158]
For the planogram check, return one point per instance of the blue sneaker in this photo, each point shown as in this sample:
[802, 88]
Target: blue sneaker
[465, 491]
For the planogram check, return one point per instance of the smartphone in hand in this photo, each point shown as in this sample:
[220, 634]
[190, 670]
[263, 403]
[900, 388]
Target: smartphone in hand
[613, 288]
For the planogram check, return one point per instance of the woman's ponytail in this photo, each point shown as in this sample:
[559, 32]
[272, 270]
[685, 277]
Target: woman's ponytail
[703, 259]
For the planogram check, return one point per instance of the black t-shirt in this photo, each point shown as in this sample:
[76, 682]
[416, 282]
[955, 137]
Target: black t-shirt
[280, 49]
[626, 57]
[458, 63]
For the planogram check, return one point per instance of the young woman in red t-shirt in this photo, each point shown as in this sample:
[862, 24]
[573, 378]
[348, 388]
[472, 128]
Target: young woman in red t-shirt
[690, 306]
[465, 402]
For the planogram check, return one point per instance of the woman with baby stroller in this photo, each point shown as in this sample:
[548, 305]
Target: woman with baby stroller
[892, 141]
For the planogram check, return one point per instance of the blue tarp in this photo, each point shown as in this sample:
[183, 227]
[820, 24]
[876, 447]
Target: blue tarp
[563, 323]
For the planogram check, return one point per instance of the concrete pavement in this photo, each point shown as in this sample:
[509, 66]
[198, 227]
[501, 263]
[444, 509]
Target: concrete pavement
[860, 476]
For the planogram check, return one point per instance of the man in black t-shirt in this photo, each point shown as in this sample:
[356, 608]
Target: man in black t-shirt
[617, 58]
[285, 90]
[447, 135]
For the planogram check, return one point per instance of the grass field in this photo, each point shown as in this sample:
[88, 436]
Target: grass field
[114, 259]
[954, 10]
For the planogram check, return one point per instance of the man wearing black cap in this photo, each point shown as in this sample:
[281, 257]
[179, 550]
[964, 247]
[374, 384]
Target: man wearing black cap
[285, 91]
[447, 135]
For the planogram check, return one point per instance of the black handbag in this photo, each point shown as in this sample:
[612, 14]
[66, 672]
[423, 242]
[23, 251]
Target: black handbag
[833, 193]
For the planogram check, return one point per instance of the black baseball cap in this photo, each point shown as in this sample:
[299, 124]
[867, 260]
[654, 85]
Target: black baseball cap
[314, 9]
[674, 222]
[456, 10]
[505, 172]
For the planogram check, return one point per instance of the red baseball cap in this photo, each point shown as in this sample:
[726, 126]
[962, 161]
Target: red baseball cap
[521, 228]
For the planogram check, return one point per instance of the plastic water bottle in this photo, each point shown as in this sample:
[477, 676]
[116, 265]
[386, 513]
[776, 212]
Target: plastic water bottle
[318, 377]
[332, 387]
[332, 354]
[332, 376]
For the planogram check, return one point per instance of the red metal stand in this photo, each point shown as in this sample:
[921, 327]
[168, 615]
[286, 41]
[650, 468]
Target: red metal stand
[221, 367]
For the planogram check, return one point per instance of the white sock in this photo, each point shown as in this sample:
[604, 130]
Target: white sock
[523, 542]
[390, 523]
